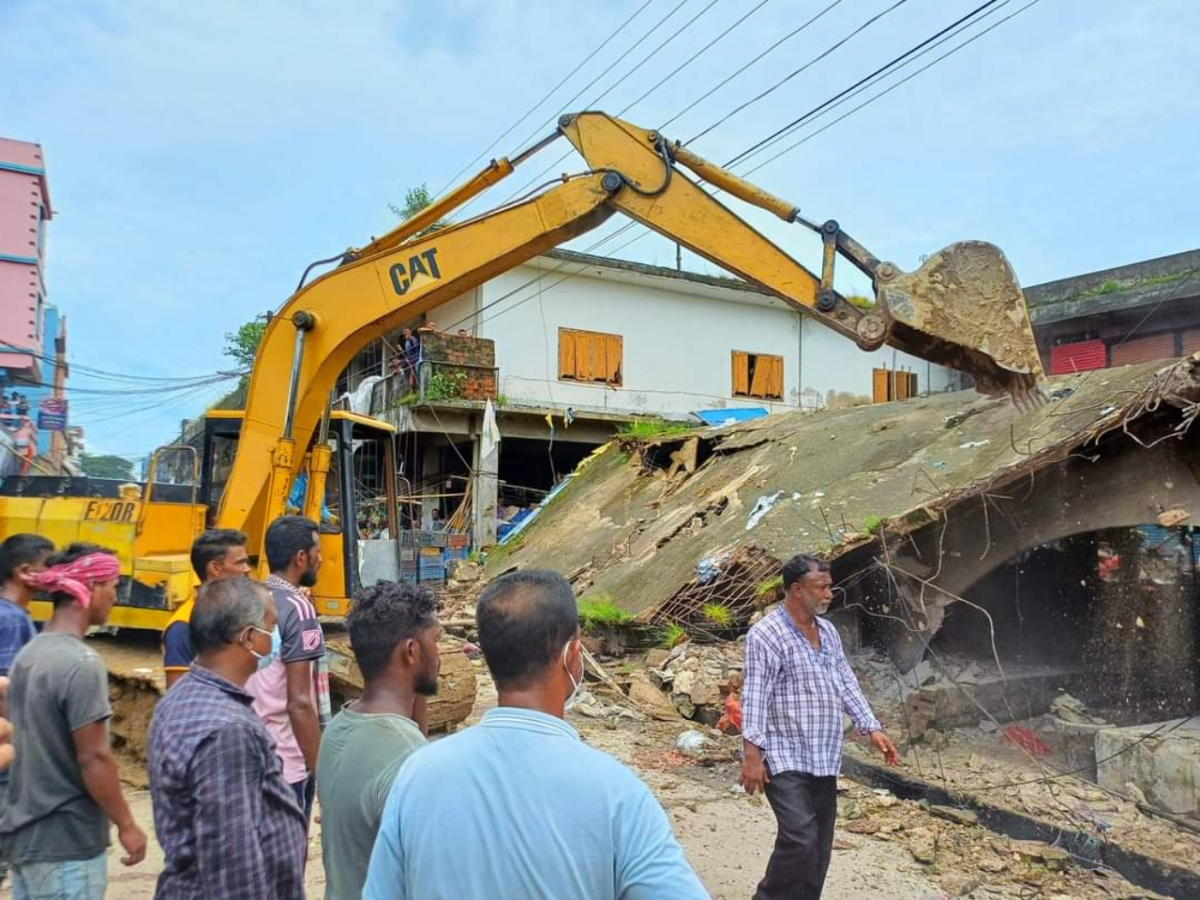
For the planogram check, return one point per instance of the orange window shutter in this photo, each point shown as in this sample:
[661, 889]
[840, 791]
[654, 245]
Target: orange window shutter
[584, 357]
[566, 354]
[775, 381]
[741, 373]
[612, 352]
[761, 384]
[879, 385]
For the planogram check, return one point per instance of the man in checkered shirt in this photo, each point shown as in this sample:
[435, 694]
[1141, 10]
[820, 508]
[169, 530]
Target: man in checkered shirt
[798, 685]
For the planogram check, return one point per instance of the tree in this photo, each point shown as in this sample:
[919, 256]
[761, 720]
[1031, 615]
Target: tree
[242, 345]
[415, 200]
[107, 467]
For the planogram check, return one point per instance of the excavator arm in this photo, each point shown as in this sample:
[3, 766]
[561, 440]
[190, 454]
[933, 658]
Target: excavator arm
[401, 276]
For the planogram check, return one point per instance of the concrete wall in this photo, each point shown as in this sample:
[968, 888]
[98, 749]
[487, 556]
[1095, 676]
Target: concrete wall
[676, 346]
[36, 394]
[24, 208]
[830, 362]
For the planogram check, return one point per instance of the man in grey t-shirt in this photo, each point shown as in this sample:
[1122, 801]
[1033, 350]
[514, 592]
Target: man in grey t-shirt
[394, 632]
[64, 779]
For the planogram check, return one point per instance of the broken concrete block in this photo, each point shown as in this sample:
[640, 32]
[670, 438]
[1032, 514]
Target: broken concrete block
[922, 844]
[657, 658]
[1165, 767]
[954, 814]
[647, 697]
[958, 885]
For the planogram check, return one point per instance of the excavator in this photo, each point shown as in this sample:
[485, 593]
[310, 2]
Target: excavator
[962, 308]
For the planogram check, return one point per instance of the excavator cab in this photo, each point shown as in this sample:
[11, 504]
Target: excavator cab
[358, 518]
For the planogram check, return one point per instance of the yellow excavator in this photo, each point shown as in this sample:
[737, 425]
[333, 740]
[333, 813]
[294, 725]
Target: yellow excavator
[962, 308]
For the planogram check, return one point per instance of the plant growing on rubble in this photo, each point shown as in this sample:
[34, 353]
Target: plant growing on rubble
[645, 429]
[766, 587]
[717, 614]
[445, 386]
[858, 301]
[672, 635]
[871, 524]
[601, 611]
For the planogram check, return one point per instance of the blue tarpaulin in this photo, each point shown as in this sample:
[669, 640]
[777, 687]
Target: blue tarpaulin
[728, 416]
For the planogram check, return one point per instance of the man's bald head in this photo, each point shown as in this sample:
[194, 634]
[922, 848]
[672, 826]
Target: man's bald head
[525, 619]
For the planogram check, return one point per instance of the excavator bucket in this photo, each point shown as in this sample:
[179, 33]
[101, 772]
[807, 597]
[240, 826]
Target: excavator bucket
[964, 309]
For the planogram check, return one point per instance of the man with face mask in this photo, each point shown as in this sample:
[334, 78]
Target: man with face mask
[519, 806]
[228, 823]
[394, 632]
[291, 691]
[798, 684]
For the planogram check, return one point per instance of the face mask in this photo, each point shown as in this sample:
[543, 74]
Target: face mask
[264, 661]
[576, 686]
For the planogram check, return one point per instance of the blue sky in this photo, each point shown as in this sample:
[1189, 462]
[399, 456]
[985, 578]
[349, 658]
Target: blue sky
[200, 155]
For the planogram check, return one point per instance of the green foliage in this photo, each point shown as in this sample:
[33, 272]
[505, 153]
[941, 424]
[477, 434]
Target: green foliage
[107, 467]
[445, 385]
[242, 345]
[600, 610]
[500, 400]
[871, 524]
[717, 614]
[858, 301]
[768, 586]
[672, 635]
[415, 200]
[645, 429]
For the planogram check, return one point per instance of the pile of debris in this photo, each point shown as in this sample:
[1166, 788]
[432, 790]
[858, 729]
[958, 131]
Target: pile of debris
[698, 677]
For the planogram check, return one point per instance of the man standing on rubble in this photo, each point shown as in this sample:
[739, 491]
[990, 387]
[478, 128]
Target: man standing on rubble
[394, 632]
[798, 685]
[519, 806]
[291, 691]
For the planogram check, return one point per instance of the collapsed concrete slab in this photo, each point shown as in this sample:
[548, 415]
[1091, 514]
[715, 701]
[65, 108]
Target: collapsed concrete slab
[1161, 761]
[913, 503]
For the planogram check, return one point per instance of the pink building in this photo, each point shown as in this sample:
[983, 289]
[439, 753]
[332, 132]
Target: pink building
[24, 211]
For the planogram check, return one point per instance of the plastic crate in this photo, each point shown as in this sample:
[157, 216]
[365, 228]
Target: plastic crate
[457, 541]
[457, 553]
[408, 576]
[432, 538]
[408, 555]
[408, 538]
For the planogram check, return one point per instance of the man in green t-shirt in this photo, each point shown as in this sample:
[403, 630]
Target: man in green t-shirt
[394, 632]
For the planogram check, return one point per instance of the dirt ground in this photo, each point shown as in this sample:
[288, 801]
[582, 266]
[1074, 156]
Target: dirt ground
[728, 836]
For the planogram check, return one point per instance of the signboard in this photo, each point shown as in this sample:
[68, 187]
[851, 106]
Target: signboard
[52, 414]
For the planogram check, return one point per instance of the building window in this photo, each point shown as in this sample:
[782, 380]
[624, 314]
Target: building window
[589, 356]
[757, 375]
[893, 384]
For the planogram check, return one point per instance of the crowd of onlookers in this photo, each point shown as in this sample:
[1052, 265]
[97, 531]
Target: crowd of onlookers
[243, 743]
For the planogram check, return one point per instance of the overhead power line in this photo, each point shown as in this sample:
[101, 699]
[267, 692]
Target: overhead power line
[749, 151]
[724, 81]
[816, 59]
[587, 59]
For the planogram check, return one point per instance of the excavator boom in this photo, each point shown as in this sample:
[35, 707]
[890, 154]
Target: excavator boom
[962, 308]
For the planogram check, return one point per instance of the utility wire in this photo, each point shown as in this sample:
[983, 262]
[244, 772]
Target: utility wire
[777, 85]
[724, 81]
[904, 80]
[549, 94]
[749, 151]
[645, 59]
[542, 127]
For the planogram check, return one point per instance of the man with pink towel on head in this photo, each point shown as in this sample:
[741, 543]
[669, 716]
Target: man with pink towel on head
[65, 789]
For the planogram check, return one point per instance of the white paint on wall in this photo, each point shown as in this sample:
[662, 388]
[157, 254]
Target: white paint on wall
[678, 337]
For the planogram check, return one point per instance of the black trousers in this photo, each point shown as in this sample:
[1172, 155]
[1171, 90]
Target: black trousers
[805, 807]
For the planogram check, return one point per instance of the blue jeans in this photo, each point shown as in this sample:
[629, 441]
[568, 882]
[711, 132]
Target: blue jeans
[72, 879]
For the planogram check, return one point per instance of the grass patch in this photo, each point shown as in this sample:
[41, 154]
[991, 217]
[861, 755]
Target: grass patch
[768, 586]
[601, 611]
[646, 429]
[717, 614]
[858, 301]
[672, 635]
[871, 524]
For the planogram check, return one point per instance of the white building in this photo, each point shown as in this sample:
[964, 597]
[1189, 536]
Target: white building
[609, 341]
